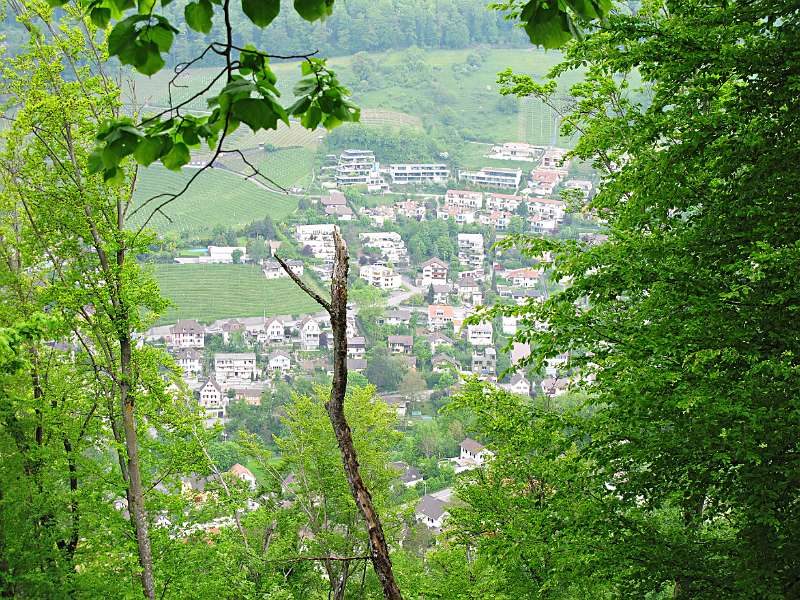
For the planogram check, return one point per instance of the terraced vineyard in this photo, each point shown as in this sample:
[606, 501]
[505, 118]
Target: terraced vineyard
[215, 198]
[210, 292]
[287, 167]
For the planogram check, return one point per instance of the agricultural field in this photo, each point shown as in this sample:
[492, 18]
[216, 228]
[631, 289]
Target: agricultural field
[453, 93]
[216, 197]
[210, 292]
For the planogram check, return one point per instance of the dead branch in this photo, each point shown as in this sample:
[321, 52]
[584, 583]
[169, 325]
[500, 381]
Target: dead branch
[337, 309]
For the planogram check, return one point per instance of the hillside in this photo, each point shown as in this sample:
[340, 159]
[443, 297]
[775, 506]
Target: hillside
[210, 292]
[220, 198]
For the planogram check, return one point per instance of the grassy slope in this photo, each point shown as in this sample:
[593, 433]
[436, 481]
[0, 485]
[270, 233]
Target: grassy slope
[209, 292]
[220, 198]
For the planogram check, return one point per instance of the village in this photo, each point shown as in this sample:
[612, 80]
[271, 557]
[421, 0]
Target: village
[416, 323]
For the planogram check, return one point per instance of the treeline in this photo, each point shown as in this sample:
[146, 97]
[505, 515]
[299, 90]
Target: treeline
[356, 25]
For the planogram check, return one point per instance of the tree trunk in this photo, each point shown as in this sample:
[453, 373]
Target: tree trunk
[337, 309]
[135, 488]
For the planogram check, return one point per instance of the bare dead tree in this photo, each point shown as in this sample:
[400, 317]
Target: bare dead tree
[337, 309]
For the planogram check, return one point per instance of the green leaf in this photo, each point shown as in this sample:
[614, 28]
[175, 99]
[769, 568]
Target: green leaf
[153, 62]
[261, 12]
[311, 118]
[313, 10]
[148, 151]
[198, 15]
[100, 17]
[257, 113]
[176, 157]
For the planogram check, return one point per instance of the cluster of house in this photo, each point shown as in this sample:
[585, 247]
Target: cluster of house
[359, 167]
[244, 375]
[465, 207]
[431, 509]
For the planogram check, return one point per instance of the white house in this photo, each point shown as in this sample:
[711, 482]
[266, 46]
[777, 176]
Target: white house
[474, 451]
[359, 167]
[212, 399]
[431, 512]
[470, 249]
[397, 317]
[503, 202]
[235, 367]
[273, 270]
[309, 334]
[518, 385]
[439, 315]
[380, 277]
[516, 151]
[356, 347]
[244, 474]
[279, 362]
[186, 334]
[273, 331]
[480, 334]
[216, 255]
[389, 243]
[524, 277]
[434, 271]
[553, 158]
[189, 360]
[459, 214]
[400, 344]
[509, 325]
[463, 199]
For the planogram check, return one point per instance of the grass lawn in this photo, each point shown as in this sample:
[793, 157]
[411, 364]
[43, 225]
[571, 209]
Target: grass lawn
[215, 198]
[210, 292]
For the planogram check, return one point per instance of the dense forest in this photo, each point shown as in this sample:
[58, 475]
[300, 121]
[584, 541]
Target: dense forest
[670, 468]
[355, 26]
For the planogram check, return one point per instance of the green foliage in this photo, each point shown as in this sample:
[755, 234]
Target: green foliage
[684, 316]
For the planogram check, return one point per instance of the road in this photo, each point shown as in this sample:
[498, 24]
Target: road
[400, 296]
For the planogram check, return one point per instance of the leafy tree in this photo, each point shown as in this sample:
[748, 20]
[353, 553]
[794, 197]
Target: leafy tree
[237, 256]
[310, 448]
[684, 315]
[384, 371]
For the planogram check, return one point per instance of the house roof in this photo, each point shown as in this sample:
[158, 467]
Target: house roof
[187, 326]
[187, 354]
[357, 341]
[434, 261]
[440, 359]
[356, 364]
[272, 320]
[431, 507]
[444, 309]
[241, 471]
[406, 340]
[278, 354]
[407, 473]
[467, 282]
[234, 355]
[339, 210]
[471, 445]
[519, 378]
[438, 336]
[403, 315]
[214, 383]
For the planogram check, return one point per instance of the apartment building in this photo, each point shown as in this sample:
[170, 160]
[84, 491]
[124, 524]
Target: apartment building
[405, 173]
[232, 367]
[498, 177]
[379, 276]
[470, 249]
